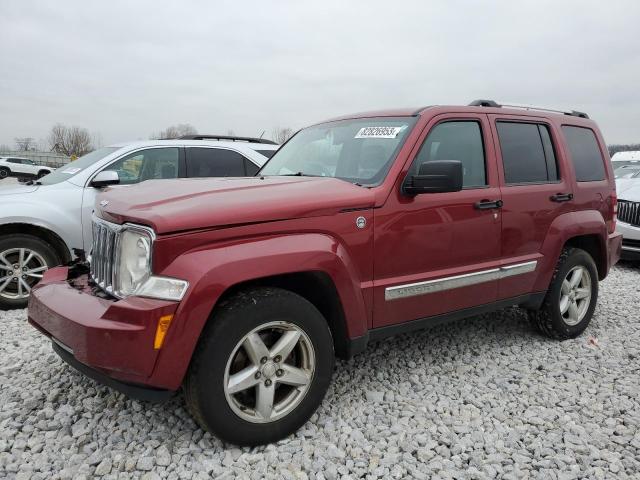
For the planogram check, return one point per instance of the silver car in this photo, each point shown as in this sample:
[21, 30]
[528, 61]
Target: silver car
[47, 222]
[628, 188]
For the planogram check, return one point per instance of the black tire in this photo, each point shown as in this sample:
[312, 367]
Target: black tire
[42, 173]
[43, 248]
[549, 319]
[232, 320]
[4, 173]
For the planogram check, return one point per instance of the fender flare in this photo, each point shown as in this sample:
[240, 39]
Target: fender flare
[564, 228]
[212, 271]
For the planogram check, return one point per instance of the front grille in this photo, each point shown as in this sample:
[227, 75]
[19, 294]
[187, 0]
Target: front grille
[629, 212]
[102, 260]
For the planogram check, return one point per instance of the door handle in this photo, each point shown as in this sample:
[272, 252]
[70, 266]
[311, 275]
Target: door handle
[488, 204]
[561, 197]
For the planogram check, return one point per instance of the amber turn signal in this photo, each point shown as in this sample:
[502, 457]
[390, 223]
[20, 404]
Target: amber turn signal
[161, 331]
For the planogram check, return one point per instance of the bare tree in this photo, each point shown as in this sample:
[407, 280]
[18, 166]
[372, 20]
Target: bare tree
[70, 141]
[231, 133]
[175, 131]
[623, 148]
[5, 148]
[25, 144]
[281, 135]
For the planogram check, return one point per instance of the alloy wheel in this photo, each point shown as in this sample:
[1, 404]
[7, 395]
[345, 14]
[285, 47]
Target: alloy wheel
[269, 372]
[575, 295]
[20, 270]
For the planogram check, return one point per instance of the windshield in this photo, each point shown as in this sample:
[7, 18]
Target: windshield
[65, 173]
[358, 151]
[627, 171]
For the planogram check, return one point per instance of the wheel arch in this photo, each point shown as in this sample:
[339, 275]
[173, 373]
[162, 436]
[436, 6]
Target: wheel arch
[594, 246]
[318, 288]
[585, 229]
[41, 232]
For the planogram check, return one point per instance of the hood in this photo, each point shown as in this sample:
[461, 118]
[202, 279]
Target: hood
[628, 189]
[18, 189]
[189, 204]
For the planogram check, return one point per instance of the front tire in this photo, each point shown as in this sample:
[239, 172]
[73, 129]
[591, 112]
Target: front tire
[571, 298]
[261, 368]
[23, 261]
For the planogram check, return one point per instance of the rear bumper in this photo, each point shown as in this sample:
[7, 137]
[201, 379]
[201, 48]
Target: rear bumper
[102, 337]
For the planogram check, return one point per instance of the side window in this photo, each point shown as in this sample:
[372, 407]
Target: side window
[13, 160]
[585, 153]
[527, 153]
[214, 162]
[154, 163]
[456, 140]
[250, 167]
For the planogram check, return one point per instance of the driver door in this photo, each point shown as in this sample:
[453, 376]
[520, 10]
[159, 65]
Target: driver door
[136, 167]
[436, 253]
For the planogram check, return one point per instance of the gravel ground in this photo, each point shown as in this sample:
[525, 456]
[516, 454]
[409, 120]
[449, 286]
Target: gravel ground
[9, 182]
[483, 398]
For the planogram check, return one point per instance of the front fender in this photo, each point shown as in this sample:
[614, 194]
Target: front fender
[210, 272]
[59, 212]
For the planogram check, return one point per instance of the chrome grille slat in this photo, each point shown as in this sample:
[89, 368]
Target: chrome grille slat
[105, 238]
[629, 212]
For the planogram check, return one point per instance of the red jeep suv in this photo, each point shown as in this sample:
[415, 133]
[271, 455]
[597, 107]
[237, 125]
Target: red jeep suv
[241, 291]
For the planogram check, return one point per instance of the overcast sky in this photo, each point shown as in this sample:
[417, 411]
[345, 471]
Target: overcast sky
[125, 69]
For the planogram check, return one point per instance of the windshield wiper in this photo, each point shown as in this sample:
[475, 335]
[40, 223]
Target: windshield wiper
[297, 174]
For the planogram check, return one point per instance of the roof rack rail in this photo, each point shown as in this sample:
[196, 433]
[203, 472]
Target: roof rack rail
[229, 138]
[494, 104]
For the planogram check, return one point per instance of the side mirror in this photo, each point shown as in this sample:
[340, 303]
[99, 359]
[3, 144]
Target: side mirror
[105, 178]
[436, 176]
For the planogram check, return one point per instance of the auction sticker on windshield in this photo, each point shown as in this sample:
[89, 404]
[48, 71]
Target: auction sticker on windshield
[379, 132]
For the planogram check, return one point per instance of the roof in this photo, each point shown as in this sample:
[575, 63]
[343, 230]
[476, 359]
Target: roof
[195, 143]
[477, 106]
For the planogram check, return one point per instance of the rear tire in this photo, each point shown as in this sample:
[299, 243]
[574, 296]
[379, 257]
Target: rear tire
[571, 299]
[233, 343]
[23, 261]
[4, 173]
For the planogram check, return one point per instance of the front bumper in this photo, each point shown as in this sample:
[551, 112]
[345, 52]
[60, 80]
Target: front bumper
[630, 240]
[106, 339]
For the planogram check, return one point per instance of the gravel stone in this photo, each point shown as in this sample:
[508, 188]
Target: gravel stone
[482, 398]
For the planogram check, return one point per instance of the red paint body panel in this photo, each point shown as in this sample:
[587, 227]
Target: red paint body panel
[217, 233]
[115, 337]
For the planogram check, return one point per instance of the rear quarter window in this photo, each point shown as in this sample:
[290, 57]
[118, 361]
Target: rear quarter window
[585, 153]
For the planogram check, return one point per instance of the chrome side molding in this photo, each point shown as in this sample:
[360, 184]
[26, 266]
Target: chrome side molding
[457, 281]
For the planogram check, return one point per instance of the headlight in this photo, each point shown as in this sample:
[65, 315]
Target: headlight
[134, 260]
[133, 268]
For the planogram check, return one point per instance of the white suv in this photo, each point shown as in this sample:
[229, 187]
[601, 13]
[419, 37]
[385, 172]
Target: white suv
[21, 167]
[43, 223]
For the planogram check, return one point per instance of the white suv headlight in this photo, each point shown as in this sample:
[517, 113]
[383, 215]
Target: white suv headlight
[133, 268]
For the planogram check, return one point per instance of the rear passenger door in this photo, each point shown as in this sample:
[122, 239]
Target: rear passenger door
[535, 190]
[217, 162]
